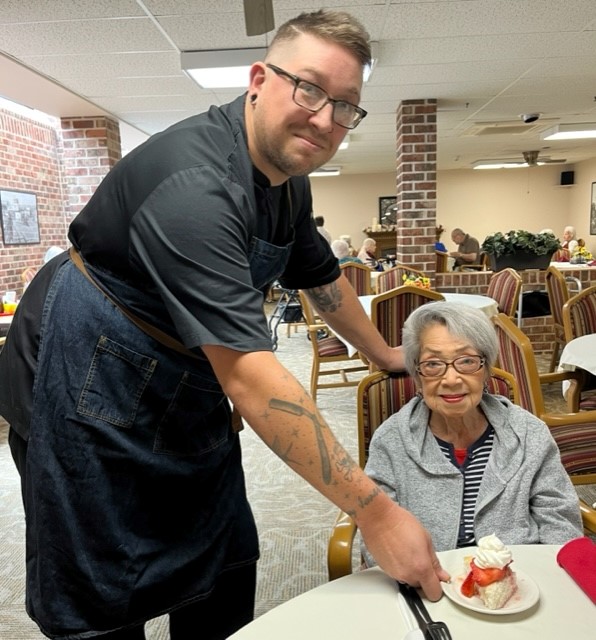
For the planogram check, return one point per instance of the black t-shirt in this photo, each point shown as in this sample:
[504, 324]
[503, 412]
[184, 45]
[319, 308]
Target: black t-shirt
[168, 232]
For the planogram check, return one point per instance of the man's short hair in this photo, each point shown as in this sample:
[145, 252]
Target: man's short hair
[320, 221]
[339, 27]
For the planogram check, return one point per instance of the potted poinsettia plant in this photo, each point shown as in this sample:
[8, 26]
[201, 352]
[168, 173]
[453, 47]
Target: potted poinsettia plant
[520, 249]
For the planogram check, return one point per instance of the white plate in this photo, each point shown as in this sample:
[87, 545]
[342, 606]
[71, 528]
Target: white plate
[526, 596]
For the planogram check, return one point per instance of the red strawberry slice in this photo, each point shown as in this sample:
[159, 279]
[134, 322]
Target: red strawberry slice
[468, 587]
[484, 577]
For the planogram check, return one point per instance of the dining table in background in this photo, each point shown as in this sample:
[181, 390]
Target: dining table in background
[578, 353]
[365, 605]
[5, 322]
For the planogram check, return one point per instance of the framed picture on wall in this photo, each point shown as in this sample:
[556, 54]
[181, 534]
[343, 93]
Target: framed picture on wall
[593, 211]
[386, 204]
[20, 224]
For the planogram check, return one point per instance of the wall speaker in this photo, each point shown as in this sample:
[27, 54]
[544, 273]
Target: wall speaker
[567, 178]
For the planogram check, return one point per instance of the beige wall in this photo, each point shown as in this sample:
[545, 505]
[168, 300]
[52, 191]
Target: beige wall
[480, 202]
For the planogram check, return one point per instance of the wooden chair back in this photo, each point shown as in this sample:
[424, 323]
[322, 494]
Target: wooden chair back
[389, 310]
[328, 349]
[579, 314]
[394, 277]
[505, 287]
[558, 294]
[359, 276]
[442, 261]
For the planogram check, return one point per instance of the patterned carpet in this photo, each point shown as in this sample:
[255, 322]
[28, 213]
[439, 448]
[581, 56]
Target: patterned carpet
[294, 521]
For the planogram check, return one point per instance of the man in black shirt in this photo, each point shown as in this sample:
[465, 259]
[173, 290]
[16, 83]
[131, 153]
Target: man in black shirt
[122, 359]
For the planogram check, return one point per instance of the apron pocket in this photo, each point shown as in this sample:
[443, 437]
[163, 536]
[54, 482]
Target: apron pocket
[197, 421]
[105, 395]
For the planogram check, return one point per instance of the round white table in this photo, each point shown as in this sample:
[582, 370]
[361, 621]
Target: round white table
[580, 352]
[364, 605]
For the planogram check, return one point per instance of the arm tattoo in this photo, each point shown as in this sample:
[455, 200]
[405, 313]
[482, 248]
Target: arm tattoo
[297, 410]
[326, 298]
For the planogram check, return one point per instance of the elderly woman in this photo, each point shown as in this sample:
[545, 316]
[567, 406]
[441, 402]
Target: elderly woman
[367, 254]
[341, 250]
[467, 463]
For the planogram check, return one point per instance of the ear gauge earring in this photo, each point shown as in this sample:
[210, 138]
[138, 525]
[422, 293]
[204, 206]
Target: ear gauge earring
[253, 98]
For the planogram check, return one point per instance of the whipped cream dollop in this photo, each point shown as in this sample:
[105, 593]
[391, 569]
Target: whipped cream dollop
[492, 553]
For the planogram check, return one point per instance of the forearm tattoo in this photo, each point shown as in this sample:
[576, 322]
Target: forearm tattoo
[318, 425]
[326, 298]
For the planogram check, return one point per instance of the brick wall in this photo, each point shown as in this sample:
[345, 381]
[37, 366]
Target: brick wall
[416, 161]
[30, 161]
[60, 163]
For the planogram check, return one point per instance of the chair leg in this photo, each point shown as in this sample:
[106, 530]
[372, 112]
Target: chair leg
[314, 378]
[555, 357]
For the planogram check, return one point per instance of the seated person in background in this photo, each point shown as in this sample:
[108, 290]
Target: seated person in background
[367, 254]
[320, 222]
[341, 250]
[467, 463]
[468, 248]
[568, 245]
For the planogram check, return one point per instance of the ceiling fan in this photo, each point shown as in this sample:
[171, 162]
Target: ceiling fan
[258, 17]
[533, 158]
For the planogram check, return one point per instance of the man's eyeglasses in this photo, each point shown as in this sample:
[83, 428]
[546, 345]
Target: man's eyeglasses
[438, 368]
[311, 97]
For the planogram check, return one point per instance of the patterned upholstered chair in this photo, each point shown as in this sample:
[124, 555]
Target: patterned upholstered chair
[558, 294]
[389, 310]
[505, 287]
[574, 432]
[394, 277]
[380, 395]
[358, 276]
[328, 350]
[579, 314]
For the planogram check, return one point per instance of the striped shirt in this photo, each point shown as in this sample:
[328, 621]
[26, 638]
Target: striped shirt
[472, 468]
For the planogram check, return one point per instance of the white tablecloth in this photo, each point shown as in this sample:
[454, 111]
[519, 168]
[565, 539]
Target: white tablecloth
[364, 605]
[580, 352]
[567, 266]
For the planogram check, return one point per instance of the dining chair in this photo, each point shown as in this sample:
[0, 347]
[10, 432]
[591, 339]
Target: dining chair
[574, 432]
[505, 287]
[579, 314]
[442, 265]
[328, 349]
[558, 294]
[380, 395]
[394, 277]
[481, 265]
[389, 310]
[358, 276]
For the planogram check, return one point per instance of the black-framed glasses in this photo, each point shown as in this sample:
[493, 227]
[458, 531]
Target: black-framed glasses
[437, 368]
[311, 97]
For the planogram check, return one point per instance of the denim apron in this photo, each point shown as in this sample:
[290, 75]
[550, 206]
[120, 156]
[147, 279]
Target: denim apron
[135, 496]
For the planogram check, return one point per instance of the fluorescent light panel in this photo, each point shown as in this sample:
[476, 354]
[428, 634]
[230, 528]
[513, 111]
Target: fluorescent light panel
[570, 131]
[325, 171]
[495, 164]
[223, 68]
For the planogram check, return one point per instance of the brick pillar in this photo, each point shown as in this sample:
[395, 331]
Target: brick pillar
[416, 125]
[91, 147]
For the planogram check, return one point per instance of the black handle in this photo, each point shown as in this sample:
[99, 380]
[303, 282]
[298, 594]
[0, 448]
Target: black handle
[416, 605]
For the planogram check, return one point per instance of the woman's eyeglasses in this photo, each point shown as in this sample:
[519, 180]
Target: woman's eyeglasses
[311, 97]
[438, 368]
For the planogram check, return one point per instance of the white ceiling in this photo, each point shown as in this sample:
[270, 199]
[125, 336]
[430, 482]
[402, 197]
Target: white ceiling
[485, 61]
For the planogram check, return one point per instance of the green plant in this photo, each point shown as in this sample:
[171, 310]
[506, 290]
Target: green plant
[539, 244]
